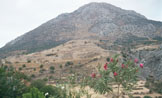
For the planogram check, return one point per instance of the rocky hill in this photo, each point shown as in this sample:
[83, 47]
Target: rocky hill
[153, 62]
[99, 21]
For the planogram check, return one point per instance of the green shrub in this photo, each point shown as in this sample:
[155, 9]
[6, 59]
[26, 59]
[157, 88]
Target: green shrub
[52, 68]
[28, 61]
[34, 69]
[38, 83]
[32, 76]
[68, 63]
[60, 66]
[11, 84]
[41, 66]
[20, 68]
[53, 91]
[107, 59]
[45, 79]
[34, 93]
[147, 97]
[23, 65]
[42, 70]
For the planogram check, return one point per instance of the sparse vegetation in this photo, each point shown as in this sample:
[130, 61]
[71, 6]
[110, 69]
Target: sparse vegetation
[60, 66]
[41, 66]
[51, 54]
[147, 97]
[32, 76]
[28, 61]
[41, 70]
[68, 63]
[23, 65]
[52, 68]
[34, 69]
[153, 85]
[20, 68]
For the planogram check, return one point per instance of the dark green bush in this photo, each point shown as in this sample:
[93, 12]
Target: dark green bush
[41, 66]
[20, 68]
[68, 63]
[23, 65]
[38, 83]
[52, 68]
[34, 93]
[147, 97]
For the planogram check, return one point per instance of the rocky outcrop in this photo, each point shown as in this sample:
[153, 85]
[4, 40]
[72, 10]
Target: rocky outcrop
[153, 64]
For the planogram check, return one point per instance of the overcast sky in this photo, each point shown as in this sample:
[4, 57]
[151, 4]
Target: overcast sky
[20, 16]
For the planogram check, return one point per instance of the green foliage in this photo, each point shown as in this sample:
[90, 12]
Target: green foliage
[52, 68]
[42, 70]
[107, 59]
[53, 91]
[38, 83]
[147, 97]
[23, 65]
[32, 76]
[11, 84]
[34, 69]
[158, 87]
[60, 66]
[34, 93]
[68, 63]
[45, 79]
[41, 66]
[20, 68]
[28, 61]
[153, 85]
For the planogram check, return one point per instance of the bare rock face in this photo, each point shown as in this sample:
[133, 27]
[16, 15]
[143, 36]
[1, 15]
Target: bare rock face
[91, 21]
[153, 64]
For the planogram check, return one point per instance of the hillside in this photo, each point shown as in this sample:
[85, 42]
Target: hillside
[92, 21]
[82, 54]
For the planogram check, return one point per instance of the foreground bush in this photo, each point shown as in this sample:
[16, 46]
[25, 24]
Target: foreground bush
[12, 83]
[115, 72]
[34, 93]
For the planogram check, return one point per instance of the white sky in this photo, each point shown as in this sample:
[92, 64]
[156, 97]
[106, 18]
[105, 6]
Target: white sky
[20, 16]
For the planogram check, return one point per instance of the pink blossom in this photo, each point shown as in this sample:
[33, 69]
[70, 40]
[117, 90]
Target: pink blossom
[136, 60]
[141, 65]
[105, 66]
[93, 75]
[115, 74]
[112, 60]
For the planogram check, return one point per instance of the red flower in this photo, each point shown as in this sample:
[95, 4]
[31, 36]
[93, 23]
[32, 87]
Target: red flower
[123, 65]
[115, 74]
[93, 75]
[105, 66]
[111, 59]
[141, 65]
[136, 60]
